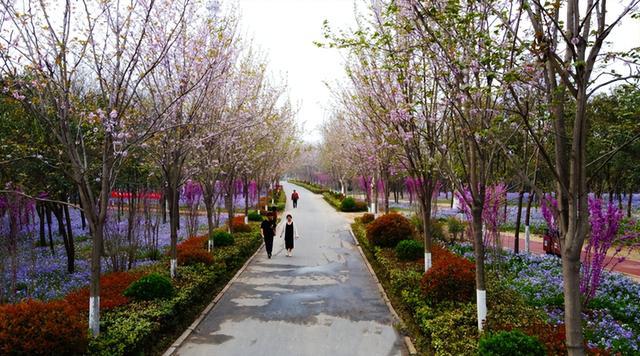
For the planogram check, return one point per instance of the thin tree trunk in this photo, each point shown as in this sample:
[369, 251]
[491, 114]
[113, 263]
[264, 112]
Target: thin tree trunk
[71, 253]
[48, 214]
[516, 241]
[174, 217]
[629, 203]
[41, 220]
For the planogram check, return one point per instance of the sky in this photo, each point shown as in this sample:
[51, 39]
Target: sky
[286, 29]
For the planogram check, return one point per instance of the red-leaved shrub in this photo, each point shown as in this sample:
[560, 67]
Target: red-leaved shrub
[240, 227]
[193, 242]
[367, 218]
[449, 279]
[192, 251]
[238, 219]
[42, 328]
[389, 229]
[112, 287]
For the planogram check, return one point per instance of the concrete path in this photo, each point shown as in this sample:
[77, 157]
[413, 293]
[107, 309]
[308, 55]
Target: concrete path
[321, 301]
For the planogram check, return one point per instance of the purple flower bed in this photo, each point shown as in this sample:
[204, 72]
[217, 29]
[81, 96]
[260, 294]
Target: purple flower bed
[612, 318]
[44, 276]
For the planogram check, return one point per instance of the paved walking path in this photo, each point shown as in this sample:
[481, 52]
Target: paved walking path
[321, 301]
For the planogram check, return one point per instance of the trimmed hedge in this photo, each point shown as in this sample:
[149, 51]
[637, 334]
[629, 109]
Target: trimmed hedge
[255, 216]
[312, 187]
[222, 238]
[510, 343]
[150, 287]
[146, 327]
[409, 250]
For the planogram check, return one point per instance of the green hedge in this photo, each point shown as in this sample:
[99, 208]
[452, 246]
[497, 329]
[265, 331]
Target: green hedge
[148, 327]
[337, 201]
[312, 187]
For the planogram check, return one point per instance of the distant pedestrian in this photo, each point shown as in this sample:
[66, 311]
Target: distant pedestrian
[290, 232]
[268, 231]
[294, 197]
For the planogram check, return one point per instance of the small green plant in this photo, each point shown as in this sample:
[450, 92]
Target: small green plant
[222, 238]
[348, 204]
[510, 343]
[409, 250]
[455, 227]
[153, 286]
[254, 216]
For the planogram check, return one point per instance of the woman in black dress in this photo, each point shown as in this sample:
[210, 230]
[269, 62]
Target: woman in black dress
[268, 230]
[290, 232]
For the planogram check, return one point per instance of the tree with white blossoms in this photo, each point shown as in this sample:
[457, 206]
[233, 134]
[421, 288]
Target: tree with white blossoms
[200, 61]
[333, 157]
[394, 83]
[59, 59]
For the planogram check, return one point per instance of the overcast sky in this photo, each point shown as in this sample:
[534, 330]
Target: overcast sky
[286, 29]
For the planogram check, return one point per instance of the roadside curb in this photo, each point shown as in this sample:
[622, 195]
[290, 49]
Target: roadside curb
[407, 341]
[174, 347]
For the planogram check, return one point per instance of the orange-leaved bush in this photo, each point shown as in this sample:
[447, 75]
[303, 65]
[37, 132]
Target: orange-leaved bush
[367, 218]
[112, 287]
[42, 328]
[389, 229]
[192, 251]
[240, 227]
[449, 279]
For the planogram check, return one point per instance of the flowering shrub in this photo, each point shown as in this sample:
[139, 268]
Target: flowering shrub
[409, 250]
[112, 287]
[605, 226]
[388, 230]
[509, 343]
[42, 328]
[449, 279]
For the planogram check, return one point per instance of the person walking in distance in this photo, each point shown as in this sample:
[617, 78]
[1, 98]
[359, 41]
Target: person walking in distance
[268, 231]
[294, 197]
[290, 232]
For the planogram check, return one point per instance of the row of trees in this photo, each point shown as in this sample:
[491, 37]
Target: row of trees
[481, 92]
[136, 95]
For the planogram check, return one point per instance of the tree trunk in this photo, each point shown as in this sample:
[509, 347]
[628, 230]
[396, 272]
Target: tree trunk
[41, 220]
[246, 200]
[163, 206]
[516, 241]
[425, 207]
[629, 203]
[572, 305]
[527, 220]
[481, 291]
[48, 214]
[71, 252]
[174, 217]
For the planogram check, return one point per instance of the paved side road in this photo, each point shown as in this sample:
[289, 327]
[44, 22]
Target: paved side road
[321, 301]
